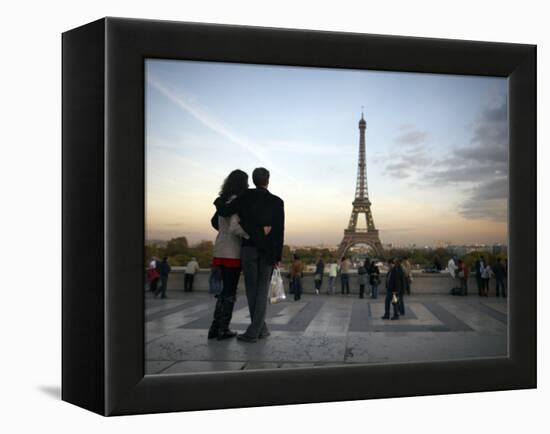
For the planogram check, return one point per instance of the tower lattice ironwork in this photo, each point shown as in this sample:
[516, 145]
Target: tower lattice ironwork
[361, 205]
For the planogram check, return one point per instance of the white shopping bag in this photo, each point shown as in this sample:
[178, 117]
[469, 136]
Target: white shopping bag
[276, 288]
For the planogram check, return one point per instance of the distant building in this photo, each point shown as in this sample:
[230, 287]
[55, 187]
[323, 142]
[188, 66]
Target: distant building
[457, 250]
[461, 250]
[156, 243]
[478, 248]
[500, 250]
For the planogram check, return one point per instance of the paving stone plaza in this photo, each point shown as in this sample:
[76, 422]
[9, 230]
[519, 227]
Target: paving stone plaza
[323, 330]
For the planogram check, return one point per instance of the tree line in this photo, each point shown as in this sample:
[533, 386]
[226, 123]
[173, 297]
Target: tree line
[179, 252]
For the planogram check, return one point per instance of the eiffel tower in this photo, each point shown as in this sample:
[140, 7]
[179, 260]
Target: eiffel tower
[361, 205]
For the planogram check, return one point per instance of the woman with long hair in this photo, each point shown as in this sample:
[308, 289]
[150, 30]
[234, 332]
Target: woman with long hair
[227, 253]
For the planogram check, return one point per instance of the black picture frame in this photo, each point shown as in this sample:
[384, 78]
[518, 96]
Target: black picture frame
[103, 215]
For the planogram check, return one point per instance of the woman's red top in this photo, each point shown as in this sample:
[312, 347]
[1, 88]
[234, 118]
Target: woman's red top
[226, 262]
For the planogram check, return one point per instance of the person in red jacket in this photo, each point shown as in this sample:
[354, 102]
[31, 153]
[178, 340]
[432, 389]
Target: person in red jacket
[462, 274]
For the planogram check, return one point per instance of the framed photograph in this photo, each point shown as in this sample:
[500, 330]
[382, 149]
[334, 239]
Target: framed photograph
[257, 216]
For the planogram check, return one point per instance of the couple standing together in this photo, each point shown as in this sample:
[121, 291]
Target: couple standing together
[250, 225]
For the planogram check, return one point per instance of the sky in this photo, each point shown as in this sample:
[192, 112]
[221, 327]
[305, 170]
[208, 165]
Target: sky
[436, 147]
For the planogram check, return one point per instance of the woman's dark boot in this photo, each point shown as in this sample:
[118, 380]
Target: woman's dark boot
[225, 318]
[213, 330]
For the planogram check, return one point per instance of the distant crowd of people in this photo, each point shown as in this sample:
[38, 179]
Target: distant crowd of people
[368, 272]
[398, 280]
[158, 271]
[483, 274]
[368, 275]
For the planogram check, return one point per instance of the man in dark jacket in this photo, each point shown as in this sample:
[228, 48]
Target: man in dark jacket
[500, 276]
[164, 270]
[401, 284]
[389, 294]
[262, 217]
[374, 279]
[395, 284]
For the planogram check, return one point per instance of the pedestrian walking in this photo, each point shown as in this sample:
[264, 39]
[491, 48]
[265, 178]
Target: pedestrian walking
[362, 276]
[153, 274]
[479, 267]
[394, 286]
[374, 279]
[500, 277]
[332, 274]
[462, 274]
[191, 269]
[452, 268]
[345, 268]
[486, 275]
[399, 285]
[296, 274]
[437, 264]
[164, 271]
[407, 269]
[319, 272]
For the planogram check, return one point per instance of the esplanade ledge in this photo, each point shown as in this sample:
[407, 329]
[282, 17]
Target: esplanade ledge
[422, 283]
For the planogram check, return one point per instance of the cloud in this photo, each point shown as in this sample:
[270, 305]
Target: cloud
[495, 153]
[495, 210]
[411, 154]
[402, 165]
[496, 114]
[412, 136]
[463, 171]
[489, 142]
[480, 168]
[400, 169]
[487, 200]
[495, 189]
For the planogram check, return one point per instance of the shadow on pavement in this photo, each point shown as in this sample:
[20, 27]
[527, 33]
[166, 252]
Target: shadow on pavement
[51, 391]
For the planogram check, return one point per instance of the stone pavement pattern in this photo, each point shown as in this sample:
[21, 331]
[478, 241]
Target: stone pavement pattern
[323, 331]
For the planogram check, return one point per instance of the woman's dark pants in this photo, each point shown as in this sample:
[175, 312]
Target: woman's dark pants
[225, 301]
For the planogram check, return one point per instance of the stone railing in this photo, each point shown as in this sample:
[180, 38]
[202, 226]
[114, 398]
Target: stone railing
[423, 283]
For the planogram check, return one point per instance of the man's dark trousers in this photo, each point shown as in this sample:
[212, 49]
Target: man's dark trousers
[500, 285]
[345, 282]
[164, 285]
[257, 276]
[479, 284]
[188, 282]
[387, 303]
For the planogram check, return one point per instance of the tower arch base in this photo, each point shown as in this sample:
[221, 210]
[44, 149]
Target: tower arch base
[353, 237]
